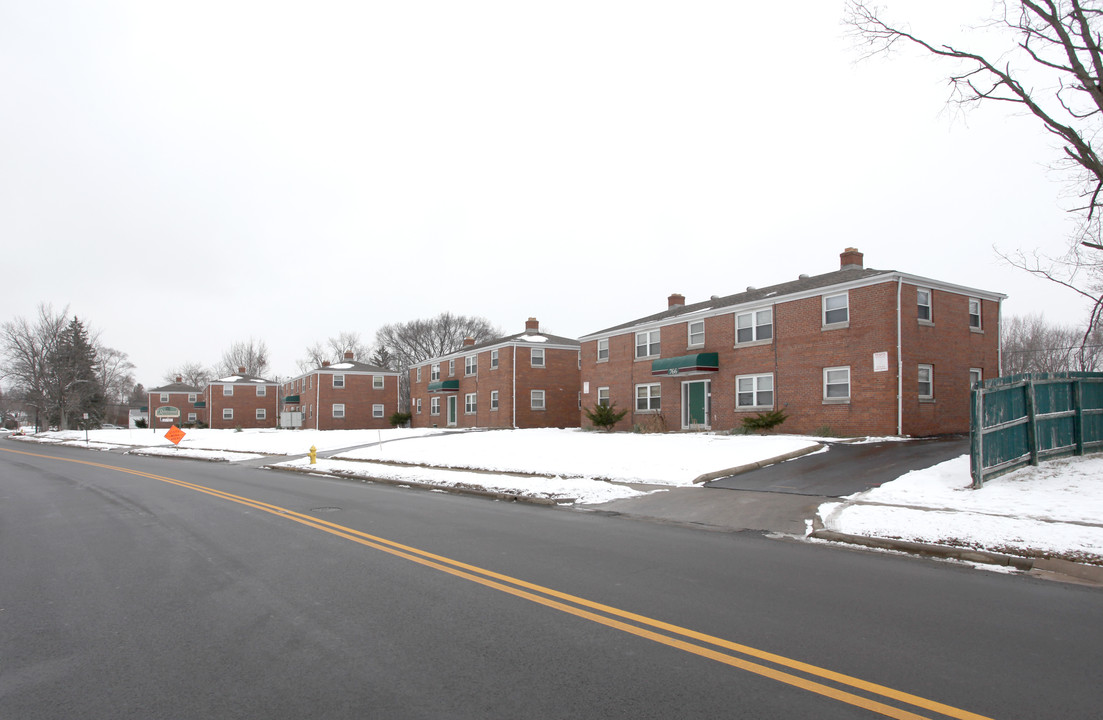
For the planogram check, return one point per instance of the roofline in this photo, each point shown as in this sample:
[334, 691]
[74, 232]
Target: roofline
[885, 276]
[339, 371]
[496, 346]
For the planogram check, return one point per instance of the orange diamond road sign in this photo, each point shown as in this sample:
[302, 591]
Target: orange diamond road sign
[174, 435]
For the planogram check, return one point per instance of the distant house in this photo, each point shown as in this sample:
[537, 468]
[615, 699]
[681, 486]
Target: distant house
[176, 403]
[345, 395]
[527, 380]
[856, 351]
[242, 401]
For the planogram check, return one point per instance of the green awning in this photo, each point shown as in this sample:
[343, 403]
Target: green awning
[697, 364]
[444, 386]
[200, 404]
[291, 400]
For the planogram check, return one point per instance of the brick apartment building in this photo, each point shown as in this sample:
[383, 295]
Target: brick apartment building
[344, 396]
[242, 401]
[176, 403]
[527, 380]
[857, 351]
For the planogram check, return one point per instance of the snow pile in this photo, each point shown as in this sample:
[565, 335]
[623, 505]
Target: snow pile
[1055, 508]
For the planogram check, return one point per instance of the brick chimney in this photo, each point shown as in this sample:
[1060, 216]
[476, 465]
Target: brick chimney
[532, 325]
[349, 355]
[240, 370]
[850, 259]
[325, 363]
[676, 300]
[468, 341]
[179, 379]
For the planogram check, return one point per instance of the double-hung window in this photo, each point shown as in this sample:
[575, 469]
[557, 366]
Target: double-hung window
[227, 390]
[470, 364]
[696, 331]
[377, 382]
[434, 372]
[419, 406]
[434, 406]
[338, 381]
[974, 314]
[836, 309]
[493, 359]
[452, 367]
[493, 399]
[603, 396]
[262, 391]
[227, 413]
[648, 398]
[836, 384]
[754, 326]
[338, 410]
[754, 391]
[603, 350]
[469, 403]
[419, 375]
[164, 397]
[377, 410]
[923, 305]
[536, 356]
[192, 397]
[926, 382]
[647, 344]
[536, 399]
[261, 413]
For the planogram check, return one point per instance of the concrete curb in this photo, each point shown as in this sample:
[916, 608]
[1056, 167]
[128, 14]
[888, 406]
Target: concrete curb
[428, 486]
[1089, 573]
[740, 469]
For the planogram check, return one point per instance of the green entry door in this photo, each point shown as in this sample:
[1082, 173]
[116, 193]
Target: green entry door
[695, 404]
[451, 411]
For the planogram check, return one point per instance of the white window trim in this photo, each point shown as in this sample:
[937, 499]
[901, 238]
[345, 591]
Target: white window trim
[755, 378]
[929, 320]
[929, 397]
[647, 344]
[193, 397]
[378, 382]
[493, 401]
[434, 372]
[601, 359]
[979, 327]
[419, 406]
[979, 372]
[849, 386]
[262, 391]
[227, 413]
[192, 417]
[452, 367]
[227, 390]
[377, 410]
[339, 381]
[262, 414]
[689, 334]
[823, 312]
[535, 353]
[493, 359]
[608, 396]
[470, 404]
[470, 365]
[164, 397]
[418, 375]
[650, 396]
[533, 394]
[755, 339]
[434, 406]
[338, 411]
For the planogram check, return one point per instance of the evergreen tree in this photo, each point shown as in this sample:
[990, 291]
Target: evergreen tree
[76, 383]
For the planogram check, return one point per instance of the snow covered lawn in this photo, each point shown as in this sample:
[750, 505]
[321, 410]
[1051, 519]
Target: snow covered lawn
[1055, 508]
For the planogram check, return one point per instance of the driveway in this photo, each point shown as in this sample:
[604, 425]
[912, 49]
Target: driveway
[846, 468]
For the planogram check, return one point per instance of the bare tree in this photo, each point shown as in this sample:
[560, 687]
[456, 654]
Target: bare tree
[115, 374]
[334, 350]
[193, 373]
[405, 344]
[27, 351]
[251, 354]
[1030, 344]
[1055, 45]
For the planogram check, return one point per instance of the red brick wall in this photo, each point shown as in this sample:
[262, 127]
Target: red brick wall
[558, 378]
[245, 403]
[179, 401]
[801, 348]
[358, 396]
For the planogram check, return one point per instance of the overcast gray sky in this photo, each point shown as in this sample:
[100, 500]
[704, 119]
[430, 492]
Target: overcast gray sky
[186, 174]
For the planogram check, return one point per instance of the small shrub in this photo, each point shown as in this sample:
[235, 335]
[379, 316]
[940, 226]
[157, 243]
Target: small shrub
[400, 419]
[237, 428]
[824, 431]
[605, 416]
[141, 423]
[764, 422]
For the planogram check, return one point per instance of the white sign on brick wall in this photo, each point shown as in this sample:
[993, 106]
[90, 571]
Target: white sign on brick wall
[880, 362]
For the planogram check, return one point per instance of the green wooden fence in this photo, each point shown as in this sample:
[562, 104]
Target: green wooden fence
[1022, 419]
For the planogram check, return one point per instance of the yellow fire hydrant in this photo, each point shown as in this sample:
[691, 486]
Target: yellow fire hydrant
[313, 455]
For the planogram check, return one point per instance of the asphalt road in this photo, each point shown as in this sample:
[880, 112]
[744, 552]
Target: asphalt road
[845, 468]
[177, 589]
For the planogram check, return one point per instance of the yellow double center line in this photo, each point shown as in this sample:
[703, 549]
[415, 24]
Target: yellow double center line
[781, 669]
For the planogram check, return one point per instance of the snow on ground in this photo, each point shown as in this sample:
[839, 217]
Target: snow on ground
[668, 459]
[1055, 508]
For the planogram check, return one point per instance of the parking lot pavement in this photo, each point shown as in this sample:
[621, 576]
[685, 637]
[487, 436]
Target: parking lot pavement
[845, 469]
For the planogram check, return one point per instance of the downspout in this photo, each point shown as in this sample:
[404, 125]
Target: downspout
[999, 337]
[513, 383]
[899, 361]
[318, 400]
